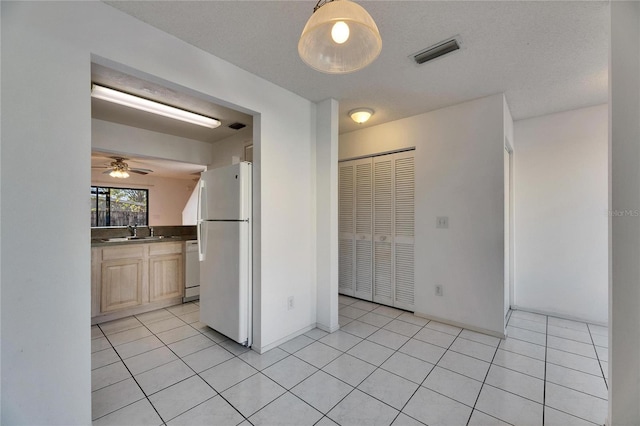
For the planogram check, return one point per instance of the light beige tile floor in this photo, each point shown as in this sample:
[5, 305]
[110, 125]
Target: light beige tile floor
[384, 366]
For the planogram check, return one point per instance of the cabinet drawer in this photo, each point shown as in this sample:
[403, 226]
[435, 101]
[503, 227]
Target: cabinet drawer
[158, 249]
[123, 252]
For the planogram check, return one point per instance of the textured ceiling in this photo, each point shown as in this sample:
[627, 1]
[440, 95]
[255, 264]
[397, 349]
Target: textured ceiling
[109, 111]
[546, 56]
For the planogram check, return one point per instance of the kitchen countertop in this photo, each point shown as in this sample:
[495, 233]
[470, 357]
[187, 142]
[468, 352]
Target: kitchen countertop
[114, 241]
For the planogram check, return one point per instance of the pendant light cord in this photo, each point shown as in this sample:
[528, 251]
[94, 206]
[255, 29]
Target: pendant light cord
[320, 4]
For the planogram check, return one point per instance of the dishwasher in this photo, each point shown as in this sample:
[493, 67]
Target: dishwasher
[192, 272]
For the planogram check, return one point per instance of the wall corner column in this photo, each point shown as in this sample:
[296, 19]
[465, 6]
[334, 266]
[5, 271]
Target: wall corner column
[327, 214]
[624, 225]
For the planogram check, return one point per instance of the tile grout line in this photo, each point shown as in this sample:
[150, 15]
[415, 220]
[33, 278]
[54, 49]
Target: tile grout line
[482, 385]
[376, 367]
[598, 357]
[137, 384]
[201, 378]
[178, 357]
[427, 376]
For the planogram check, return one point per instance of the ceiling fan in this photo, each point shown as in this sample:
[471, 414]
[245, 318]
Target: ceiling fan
[120, 169]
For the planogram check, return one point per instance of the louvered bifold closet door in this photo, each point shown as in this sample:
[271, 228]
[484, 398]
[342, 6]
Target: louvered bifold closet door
[363, 228]
[383, 270]
[346, 220]
[404, 224]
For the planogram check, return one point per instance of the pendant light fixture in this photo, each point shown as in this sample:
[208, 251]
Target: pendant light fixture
[340, 37]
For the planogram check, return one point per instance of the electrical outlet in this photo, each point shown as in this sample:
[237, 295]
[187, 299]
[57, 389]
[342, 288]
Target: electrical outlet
[442, 222]
[438, 290]
[290, 305]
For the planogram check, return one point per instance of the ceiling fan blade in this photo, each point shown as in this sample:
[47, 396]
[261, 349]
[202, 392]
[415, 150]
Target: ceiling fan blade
[138, 171]
[106, 172]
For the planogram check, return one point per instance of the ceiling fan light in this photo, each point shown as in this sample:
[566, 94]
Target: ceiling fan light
[361, 115]
[340, 37]
[131, 101]
[121, 174]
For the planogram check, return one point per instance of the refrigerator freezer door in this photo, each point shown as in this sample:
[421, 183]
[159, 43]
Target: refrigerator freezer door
[225, 297]
[225, 193]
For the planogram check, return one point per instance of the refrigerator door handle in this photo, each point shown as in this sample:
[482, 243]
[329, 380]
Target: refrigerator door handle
[201, 248]
[202, 202]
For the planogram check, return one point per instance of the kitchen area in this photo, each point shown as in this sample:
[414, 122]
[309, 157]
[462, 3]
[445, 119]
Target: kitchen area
[145, 181]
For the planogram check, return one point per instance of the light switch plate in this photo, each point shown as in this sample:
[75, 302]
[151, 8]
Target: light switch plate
[442, 222]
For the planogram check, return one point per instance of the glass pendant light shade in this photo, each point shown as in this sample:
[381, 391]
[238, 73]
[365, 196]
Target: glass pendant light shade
[339, 38]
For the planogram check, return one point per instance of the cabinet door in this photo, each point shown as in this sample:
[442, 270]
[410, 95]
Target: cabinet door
[393, 218]
[383, 230]
[346, 229]
[165, 277]
[121, 284]
[404, 224]
[363, 228]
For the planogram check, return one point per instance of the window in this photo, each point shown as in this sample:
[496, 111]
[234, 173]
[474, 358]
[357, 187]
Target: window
[119, 206]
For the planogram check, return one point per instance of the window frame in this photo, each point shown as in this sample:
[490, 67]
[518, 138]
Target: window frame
[108, 204]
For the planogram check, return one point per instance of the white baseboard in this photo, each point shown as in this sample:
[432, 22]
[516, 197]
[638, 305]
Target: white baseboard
[277, 343]
[328, 329]
[557, 315]
[462, 325]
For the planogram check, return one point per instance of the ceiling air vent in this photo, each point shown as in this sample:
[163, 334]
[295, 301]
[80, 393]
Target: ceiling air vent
[437, 51]
[237, 126]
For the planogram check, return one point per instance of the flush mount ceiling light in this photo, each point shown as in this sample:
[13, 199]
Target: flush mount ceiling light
[361, 115]
[115, 96]
[340, 37]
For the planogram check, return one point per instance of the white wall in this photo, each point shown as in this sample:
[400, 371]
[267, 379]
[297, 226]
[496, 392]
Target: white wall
[561, 201]
[459, 174]
[624, 285]
[190, 211]
[167, 196]
[223, 151]
[118, 138]
[326, 189]
[45, 302]
[0, 229]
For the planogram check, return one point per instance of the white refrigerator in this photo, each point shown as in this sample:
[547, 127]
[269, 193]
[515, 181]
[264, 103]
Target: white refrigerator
[225, 251]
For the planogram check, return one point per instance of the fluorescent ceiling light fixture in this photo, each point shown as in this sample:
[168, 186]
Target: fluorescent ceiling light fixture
[340, 37]
[131, 101]
[361, 115]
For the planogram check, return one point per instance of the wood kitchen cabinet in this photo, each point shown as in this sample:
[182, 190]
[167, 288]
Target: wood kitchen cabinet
[131, 279]
[121, 284]
[166, 277]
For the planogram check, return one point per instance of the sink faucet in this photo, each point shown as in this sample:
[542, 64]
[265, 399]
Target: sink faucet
[133, 229]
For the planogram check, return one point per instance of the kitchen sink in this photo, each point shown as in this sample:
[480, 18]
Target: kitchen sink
[155, 237]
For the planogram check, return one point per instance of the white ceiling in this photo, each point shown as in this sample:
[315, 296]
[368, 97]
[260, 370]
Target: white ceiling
[546, 56]
[109, 111]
